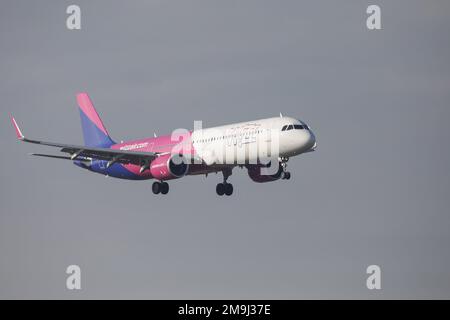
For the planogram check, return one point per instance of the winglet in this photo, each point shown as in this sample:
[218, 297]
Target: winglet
[19, 134]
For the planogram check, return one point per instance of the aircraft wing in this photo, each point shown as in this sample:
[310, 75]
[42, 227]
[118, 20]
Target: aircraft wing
[78, 152]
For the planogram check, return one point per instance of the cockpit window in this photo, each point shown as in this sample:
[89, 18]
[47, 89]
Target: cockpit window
[295, 126]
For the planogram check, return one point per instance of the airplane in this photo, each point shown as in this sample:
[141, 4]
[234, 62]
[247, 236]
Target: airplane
[196, 152]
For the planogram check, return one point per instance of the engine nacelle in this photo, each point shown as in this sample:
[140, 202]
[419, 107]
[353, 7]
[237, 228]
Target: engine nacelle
[254, 172]
[169, 166]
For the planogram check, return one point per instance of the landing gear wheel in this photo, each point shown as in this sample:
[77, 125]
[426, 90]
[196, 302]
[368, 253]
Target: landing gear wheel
[156, 187]
[164, 187]
[220, 189]
[228, 189]
[283, 163]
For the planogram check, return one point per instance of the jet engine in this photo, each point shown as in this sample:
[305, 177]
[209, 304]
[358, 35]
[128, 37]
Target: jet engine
[169, 166]
[256, 172]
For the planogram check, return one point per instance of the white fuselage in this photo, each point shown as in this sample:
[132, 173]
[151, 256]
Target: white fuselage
[251, 141]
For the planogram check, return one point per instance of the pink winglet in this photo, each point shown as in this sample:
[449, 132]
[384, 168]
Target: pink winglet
[88, 109]
[18, 132]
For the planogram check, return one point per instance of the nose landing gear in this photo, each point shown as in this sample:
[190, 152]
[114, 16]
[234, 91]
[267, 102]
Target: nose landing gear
[160, 187]
[285, 174]
[225, 187]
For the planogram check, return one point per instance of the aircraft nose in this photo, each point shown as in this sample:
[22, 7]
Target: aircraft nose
[305, 141]
[312, 140]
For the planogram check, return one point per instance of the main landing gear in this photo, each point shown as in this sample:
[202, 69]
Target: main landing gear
[284, 174]
[160, 187]
[225, 187]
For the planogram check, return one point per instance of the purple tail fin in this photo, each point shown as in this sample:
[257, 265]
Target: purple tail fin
[94, 132]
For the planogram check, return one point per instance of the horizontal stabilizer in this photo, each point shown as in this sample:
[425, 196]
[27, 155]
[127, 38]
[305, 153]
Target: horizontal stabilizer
[50, 156]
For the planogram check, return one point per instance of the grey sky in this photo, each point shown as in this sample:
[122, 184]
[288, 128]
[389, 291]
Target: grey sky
[375, 192]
